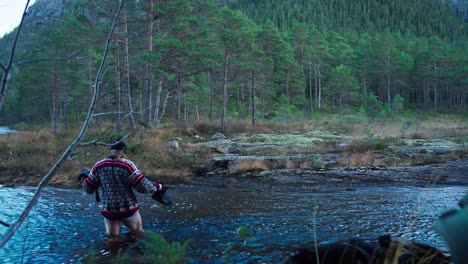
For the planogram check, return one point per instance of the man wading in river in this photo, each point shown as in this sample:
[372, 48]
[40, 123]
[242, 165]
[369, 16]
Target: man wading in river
[114, 179]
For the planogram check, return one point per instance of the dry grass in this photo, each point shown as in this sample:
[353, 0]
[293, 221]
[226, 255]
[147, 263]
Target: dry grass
[25, 157]
[408, 252]
[358, 159]
[236, 127]
[249, 165]
[421, 126]
[290, 164]
[441, 126]
[368, 144]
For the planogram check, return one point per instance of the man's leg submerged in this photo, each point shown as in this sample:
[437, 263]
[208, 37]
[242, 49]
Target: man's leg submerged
[134, 223]
[112, 227]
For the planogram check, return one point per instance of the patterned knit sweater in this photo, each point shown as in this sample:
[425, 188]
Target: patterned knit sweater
[115, 180]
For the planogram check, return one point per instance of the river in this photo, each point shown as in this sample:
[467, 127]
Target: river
[65, 225]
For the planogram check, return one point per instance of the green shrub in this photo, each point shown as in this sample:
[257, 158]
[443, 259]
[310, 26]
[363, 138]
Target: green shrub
[370, 142]
[155, 249]
[230, 248]
[372, 106]
[158, 250]
[397, 105]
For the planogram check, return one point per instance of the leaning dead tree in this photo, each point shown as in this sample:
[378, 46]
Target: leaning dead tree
[45, 180]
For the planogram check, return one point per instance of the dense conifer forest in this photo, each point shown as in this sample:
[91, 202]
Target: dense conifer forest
[182, 61]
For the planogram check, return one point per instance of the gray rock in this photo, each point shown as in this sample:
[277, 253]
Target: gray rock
[218, 136]
[225, 146]
[199, 137]
[173, 145]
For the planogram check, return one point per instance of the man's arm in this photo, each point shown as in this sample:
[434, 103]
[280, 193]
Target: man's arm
[88, 181]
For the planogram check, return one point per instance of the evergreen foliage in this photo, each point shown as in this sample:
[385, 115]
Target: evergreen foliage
[187, 60]
[423, 18]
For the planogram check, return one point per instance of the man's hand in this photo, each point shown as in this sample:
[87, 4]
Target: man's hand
[161, 197]
[83, 175]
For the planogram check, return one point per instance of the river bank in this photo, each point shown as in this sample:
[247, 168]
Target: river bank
[444, 172]
[452, 173]
[381, 154]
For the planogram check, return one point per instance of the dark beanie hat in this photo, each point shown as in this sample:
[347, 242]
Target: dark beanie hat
[119, 145]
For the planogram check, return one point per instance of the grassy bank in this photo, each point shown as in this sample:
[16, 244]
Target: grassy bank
[27, 156]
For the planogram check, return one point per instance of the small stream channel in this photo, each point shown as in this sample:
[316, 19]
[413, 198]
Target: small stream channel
[66, 225]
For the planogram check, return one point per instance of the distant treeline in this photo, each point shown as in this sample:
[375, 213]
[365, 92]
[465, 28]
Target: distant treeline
[422, 18]
[188, 60]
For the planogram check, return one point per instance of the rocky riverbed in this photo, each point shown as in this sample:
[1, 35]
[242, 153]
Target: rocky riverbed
[448, 173]
[324, 157]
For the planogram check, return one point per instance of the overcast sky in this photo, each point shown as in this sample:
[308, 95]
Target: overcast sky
[10, 14]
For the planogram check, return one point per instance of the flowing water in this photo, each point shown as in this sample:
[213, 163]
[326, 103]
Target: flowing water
[65, 225]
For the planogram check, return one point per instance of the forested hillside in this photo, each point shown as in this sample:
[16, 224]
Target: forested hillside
[423, 18]
[184, 60]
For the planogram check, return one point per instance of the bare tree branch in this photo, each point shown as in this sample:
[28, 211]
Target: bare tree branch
[4, 223]
[15, 226]
[168, 95]
[101, 10]
[6, 69]
[2, 66]
[97, 142]
[108, 113]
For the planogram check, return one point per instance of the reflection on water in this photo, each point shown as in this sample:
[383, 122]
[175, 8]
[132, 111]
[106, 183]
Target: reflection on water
[66, 225]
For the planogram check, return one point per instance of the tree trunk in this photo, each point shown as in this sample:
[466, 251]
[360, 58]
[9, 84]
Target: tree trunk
[426, 96]
[435, 88]
[364, 82]
[127, 73]
[118, 97]
[239, 95]
[287, 86]
[148, 79]
[340, 100]
[311, 101]
[319, 88]
[157, 103]
[463, 99]
[225, 93]
[252, 100]
[142, 110]
[449, 97]
[54, 101]
[66, 99]
[90, 72]
[316, 86]
[210, 113]
[178, 99]
[186, 115]
[389, 98]
[168, 95]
